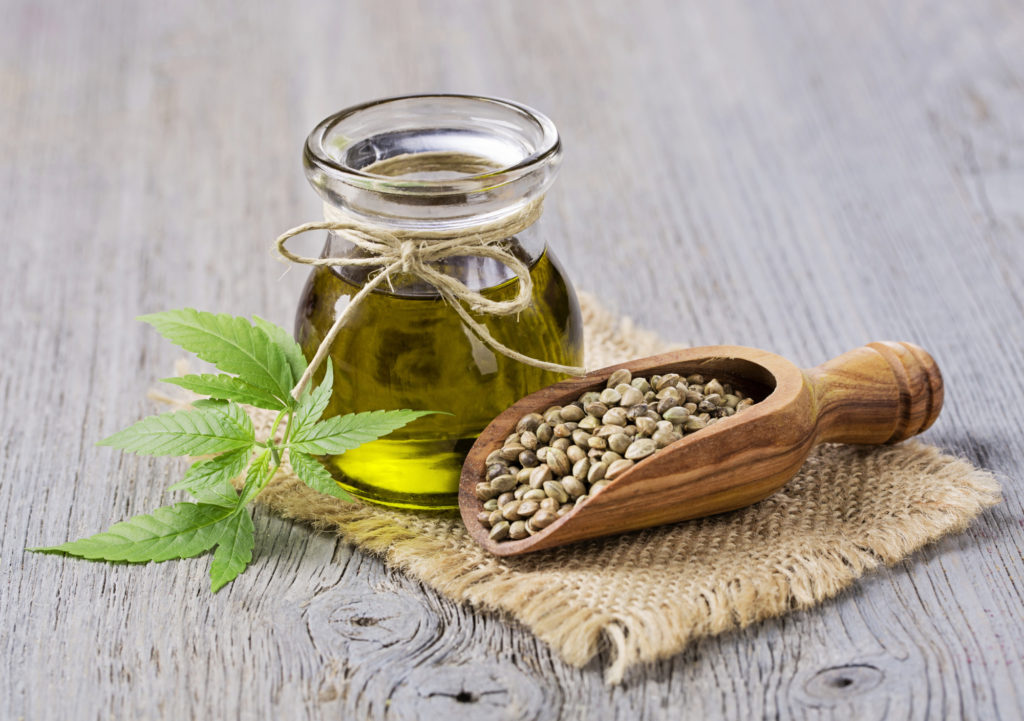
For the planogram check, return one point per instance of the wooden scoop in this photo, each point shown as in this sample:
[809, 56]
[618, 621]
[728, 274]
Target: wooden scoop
[879, 393]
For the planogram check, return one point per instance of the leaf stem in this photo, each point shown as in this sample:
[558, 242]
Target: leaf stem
[287, 430]
[274, 453]
[277, 422]
[271, 473]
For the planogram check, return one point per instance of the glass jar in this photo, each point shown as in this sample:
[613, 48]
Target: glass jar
[389, 163]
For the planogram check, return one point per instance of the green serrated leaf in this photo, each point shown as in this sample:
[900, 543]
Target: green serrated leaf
[343, 433]
[234, 549]
[312, 405]
[216, 403]
[284, 340]
[179, 531]
[232, 344]
[311, 472]
[230, 388]
[210, 481]
[187, 433]
[255, 478]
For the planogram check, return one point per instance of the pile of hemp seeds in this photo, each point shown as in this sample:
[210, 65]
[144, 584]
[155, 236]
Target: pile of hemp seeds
[557, 460]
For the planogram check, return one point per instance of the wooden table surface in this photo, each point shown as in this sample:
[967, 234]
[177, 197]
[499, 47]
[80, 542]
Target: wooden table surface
[799, 176]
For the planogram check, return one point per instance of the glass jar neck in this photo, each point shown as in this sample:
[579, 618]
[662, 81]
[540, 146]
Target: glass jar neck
[437, 163]
[407, 211]
[432, 159]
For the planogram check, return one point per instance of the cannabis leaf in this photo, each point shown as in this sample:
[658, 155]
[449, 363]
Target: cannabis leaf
[343, 433]
[254, 477]
[313, 405]
[311, 472]
[286, 344]
[179, 531]
[210, 481]
[232, 344]
[195, 432]
[266, 364]
[229, 388]
[234, 549]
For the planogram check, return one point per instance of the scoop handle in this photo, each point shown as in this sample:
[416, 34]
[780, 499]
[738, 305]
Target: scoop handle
[879, 393]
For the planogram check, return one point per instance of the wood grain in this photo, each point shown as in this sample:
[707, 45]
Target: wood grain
[777, 175]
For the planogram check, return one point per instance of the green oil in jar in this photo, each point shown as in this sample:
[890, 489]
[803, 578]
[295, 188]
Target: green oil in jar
[410, 350]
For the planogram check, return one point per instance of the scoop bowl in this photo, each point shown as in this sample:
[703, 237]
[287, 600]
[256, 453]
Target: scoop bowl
[880, 393]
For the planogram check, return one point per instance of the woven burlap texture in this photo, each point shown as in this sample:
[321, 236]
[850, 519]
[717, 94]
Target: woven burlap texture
[648, 594]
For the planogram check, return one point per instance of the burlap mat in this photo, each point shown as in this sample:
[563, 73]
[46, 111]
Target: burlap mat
[649, 593]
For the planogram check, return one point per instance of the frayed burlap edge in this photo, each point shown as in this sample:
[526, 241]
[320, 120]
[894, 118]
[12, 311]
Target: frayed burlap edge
[436, 550]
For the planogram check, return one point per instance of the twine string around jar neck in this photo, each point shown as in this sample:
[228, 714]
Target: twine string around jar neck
[414, 252]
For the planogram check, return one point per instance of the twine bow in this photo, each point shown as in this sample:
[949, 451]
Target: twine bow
[413, 252]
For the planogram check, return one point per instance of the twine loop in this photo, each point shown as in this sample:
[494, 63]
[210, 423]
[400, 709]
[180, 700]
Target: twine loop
[416, 252]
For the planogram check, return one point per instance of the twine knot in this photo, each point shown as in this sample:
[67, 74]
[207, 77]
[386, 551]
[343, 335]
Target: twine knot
[414, 252]
[408, 255]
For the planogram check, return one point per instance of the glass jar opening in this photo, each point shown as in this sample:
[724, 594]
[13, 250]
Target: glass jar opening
[459, 145]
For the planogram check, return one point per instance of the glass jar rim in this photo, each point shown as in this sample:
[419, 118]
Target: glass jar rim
[545, 151]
